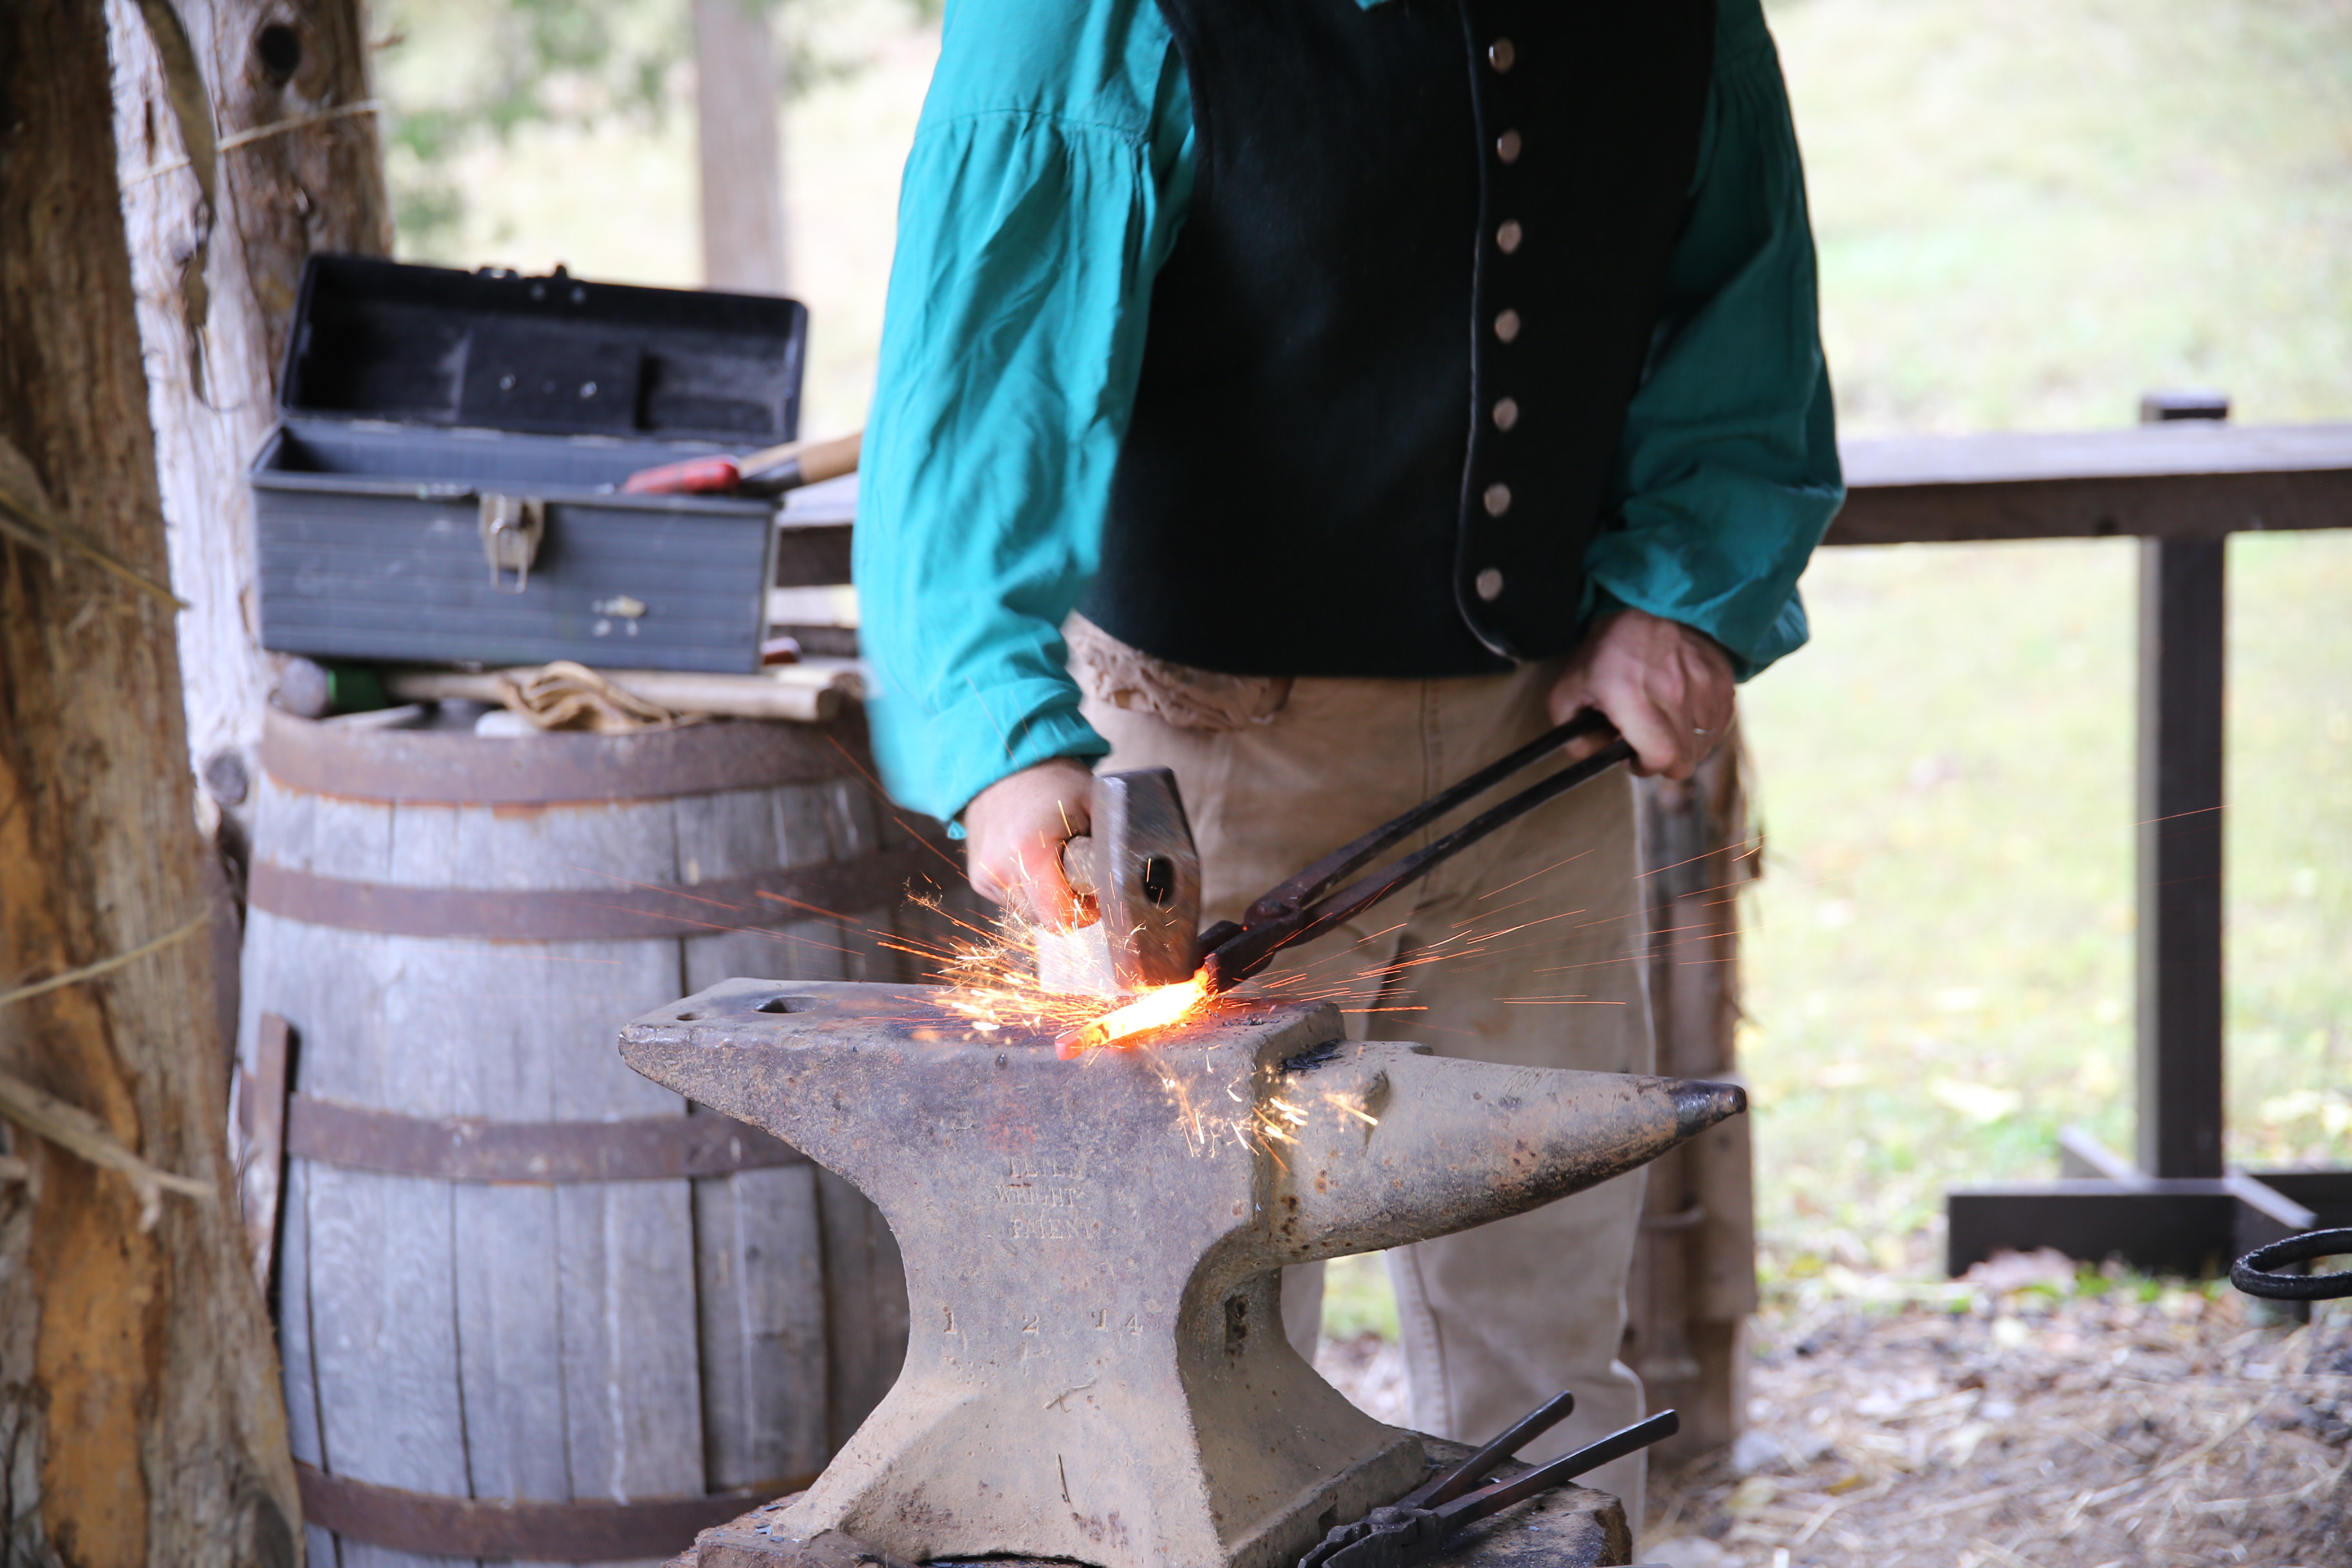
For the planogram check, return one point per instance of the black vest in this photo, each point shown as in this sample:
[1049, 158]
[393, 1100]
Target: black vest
[1391, 354]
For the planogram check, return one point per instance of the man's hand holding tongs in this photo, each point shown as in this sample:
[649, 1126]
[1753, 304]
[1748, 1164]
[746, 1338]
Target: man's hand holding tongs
[1666, 688]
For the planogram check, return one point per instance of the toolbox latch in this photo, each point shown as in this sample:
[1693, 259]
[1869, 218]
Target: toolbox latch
[512, 527]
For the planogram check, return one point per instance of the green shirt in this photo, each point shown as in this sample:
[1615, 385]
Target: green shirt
[1050, 176]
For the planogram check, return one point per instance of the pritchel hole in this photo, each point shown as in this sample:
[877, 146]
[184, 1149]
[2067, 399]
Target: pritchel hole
[790, 1004]
[1159, 881]
[280, 48]
[690, 1017]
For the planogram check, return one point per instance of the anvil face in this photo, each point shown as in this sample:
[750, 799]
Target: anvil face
[1097, 1369]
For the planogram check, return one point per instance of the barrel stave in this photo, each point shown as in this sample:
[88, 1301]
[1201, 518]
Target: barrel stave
[294, 1348]
[866, 1295]
[633, 1391]
[384, 1355]
[510, 1369]
[760, 1270]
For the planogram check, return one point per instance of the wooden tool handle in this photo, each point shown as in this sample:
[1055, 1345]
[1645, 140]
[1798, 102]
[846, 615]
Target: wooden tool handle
[797, 463]
[831, 459]
[1082, 865]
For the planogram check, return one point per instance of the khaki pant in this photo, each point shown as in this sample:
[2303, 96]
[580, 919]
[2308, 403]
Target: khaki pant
[1522, 950]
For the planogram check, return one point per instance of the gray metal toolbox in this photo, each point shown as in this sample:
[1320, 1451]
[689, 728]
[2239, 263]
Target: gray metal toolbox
[442, 487]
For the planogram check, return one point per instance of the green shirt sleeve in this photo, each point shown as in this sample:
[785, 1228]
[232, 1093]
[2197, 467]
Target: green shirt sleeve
[1729, 473]
[1050, 173]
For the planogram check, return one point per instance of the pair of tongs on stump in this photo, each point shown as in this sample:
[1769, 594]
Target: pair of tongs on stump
[1304, 907]
[1419, 1525]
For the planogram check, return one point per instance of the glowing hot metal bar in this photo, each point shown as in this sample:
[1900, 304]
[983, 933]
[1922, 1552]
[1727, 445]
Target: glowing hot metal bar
[1152, 1010]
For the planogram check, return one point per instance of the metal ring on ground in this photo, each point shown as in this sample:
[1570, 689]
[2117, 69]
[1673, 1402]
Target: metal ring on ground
[2250, 1273]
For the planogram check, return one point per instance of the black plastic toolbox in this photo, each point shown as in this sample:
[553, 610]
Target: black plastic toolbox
[442, 485]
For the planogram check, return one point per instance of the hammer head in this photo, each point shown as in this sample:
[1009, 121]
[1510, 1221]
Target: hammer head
[1141, 867]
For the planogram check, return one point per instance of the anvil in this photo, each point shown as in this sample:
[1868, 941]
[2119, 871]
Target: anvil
[1096, 1370]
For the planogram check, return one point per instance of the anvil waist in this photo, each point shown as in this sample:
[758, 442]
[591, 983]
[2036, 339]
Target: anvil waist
[1392, 353]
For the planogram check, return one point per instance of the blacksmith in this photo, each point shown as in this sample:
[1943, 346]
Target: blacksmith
[1321, 398]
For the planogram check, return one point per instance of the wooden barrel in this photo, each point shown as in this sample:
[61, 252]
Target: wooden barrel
[532, 1306]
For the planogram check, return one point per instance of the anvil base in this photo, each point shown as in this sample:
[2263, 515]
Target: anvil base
[1573, 1527]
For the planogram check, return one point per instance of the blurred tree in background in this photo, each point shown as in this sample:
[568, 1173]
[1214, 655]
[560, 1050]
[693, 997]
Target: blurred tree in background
[463, 75]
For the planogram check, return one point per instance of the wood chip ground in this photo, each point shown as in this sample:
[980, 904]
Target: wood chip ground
[2040, 1427]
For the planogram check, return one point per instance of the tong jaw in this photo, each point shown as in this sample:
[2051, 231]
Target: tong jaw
[1391, 1536]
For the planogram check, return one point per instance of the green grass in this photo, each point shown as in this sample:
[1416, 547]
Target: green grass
[1357, 1299]
[1938, 977]
[2028, 211]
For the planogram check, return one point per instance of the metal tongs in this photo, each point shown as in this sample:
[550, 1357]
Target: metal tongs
[1304, 907]
[1419, 1525]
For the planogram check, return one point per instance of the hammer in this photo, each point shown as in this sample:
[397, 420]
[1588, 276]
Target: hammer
[1138, 865]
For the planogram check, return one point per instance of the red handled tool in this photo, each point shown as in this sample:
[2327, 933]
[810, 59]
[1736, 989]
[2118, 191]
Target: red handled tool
[770, 472]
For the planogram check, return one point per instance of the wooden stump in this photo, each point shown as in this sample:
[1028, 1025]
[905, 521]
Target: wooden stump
[513, 1272]
[1693, 1277]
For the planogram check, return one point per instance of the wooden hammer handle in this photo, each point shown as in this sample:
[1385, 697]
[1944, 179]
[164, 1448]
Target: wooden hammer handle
[1082, 865]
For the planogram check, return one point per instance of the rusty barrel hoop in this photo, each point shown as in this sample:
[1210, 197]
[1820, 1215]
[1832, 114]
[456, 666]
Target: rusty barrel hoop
[532, 1305]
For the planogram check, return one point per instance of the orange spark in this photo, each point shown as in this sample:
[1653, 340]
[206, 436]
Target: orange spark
[1164, 1005]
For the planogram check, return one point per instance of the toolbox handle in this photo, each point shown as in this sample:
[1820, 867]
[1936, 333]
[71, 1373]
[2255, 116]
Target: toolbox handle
[512, 527]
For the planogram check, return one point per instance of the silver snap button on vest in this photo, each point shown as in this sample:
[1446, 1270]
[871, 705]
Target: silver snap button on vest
[1501, 55]
[1506, 326]
[1506, 146]
[1499, 500]
[1506, 413]
[1507, 238]
[1489, 585]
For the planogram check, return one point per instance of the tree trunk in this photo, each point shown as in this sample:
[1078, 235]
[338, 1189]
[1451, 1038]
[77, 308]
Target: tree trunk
[741, 146]
[140, 1414]
[248, 140]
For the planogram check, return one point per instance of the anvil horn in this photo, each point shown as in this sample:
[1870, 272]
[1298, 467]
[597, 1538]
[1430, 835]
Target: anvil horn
[1096, 1370]
[1426, 1145]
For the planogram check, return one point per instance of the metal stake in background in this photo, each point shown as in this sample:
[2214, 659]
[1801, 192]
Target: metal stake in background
[2183, 644]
